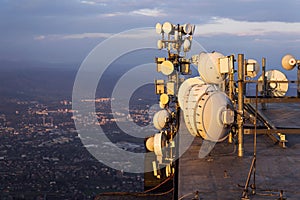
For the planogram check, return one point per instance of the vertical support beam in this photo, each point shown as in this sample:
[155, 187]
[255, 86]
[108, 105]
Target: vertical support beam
[244, 76]
[298, 83]
[240, 116]
[231, 90]
[231, 79]
[264, 83]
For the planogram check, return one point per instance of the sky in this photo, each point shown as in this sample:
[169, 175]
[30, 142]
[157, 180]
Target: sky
[67, 30]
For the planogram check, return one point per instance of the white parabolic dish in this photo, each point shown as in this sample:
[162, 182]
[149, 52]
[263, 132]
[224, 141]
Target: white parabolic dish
[209, 68]
[277, 89]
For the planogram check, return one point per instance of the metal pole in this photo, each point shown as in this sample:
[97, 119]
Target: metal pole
[240, 115]
[176, 163]
[253, 164]
[244, 194]
[264, 84]
[244, 76]
[298, 84]
[255, 141]
[231, 79]
[231, 88]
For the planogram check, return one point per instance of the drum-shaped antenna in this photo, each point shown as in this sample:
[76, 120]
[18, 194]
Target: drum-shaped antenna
[185, 89]
[206, 110]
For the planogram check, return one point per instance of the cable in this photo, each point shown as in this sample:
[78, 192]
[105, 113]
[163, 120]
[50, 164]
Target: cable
[159, 184]
[225, 154]
[189, 194]
[267, 195]
[138, 194]
[186, 195]
[131, 194]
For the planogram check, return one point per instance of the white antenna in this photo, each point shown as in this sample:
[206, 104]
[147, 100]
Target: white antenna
[207, 111]
[167, 67]
[288, 62]
[278, 83]
[168, 28]
[160, 119]
[252, 68]
[158, 28]
[209, 67]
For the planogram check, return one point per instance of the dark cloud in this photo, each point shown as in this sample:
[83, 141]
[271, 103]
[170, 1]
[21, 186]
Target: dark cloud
[22, 23]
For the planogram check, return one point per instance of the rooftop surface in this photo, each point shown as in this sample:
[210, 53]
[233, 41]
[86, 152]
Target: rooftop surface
[222, 174]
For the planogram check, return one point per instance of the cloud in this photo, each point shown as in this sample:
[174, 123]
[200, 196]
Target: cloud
[40, 37]
[74, 22]
[278, 41]
[88, 2]
[85, 35]
[149, 12]
[114, 14]
[72, 36]
[93, 3]
[155, 12]
[215, 27]
[144, 33]
[223, 26]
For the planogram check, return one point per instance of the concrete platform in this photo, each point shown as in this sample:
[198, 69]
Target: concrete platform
[221, 174]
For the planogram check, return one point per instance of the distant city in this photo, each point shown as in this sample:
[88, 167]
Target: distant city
[41, 154]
